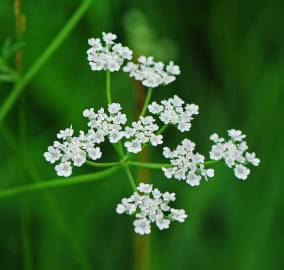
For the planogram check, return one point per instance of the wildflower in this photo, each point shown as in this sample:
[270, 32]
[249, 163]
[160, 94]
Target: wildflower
[141, 132]
[72, 151]
[234, 152]
[150, 73]
[175, 111]
[149, 205]
[185, 164]
[109, 56]
[106, 124]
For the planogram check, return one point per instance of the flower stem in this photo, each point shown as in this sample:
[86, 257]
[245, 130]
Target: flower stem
[130, 177]
[55, 183]
[209, 162]
[162, 129]
[108, 92]
[162, 165]
[61, 36]
[101, 164]
[149, 165]
[147, 101]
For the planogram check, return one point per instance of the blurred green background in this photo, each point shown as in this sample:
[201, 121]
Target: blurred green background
[232, 61]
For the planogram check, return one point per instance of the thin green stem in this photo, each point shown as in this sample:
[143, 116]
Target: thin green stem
[108, 91]
[130, 177]
[102, 165]
[58, 40]
[209, 162]
[161, 165]
[149, 165]
[56, 183]
[147, 101]
[162, 129]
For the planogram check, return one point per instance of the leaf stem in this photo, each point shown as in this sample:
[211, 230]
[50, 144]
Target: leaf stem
[57, 41]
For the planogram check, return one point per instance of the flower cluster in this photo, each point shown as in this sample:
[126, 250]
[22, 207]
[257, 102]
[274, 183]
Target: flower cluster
[175, 111]
[234, 152]
[109, 56]
[149, 205]
[104, 124]
[71, 151]
[186, 165]
[150, 73]
[141, 132]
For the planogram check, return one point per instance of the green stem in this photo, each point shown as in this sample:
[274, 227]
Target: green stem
[149, 165]
[130, 177]
[147, 101]
[108, 92]
[162, 129]
[61, 36]
[161, 165]
[209, 162]
[55, 183]
[102, 165]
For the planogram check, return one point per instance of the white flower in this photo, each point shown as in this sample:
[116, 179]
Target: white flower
[163, 223]
[109, 38]
[185, 164]
[133, 146]
[241, 171]
[178, 215]
[120, 209]
[150, 206]
[155, 108]
[173, 69]
[109, 56]
[63, 134]
[233, 151]
[236, 134]
[150, 73]
[174, 111]
[64, 169]
[251, 158]
[52, 154]
[106, 125]
[72, 151]
[145, 188]
[114, 108]
[141, 132]
[142, 226]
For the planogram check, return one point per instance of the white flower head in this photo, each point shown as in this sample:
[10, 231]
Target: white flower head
[185, 164]
[72, 151]
[234, 152]
[174, 111]
[150, 206]
[104, 124]
[142, 132]
[150, 73]
[109, 56]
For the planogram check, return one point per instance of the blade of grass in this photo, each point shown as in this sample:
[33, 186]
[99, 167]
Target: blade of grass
[61, 36]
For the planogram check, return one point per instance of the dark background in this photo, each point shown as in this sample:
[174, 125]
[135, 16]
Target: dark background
[232, 61]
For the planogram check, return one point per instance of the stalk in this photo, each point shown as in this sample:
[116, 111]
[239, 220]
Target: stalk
[55, 183]
[47, 53]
